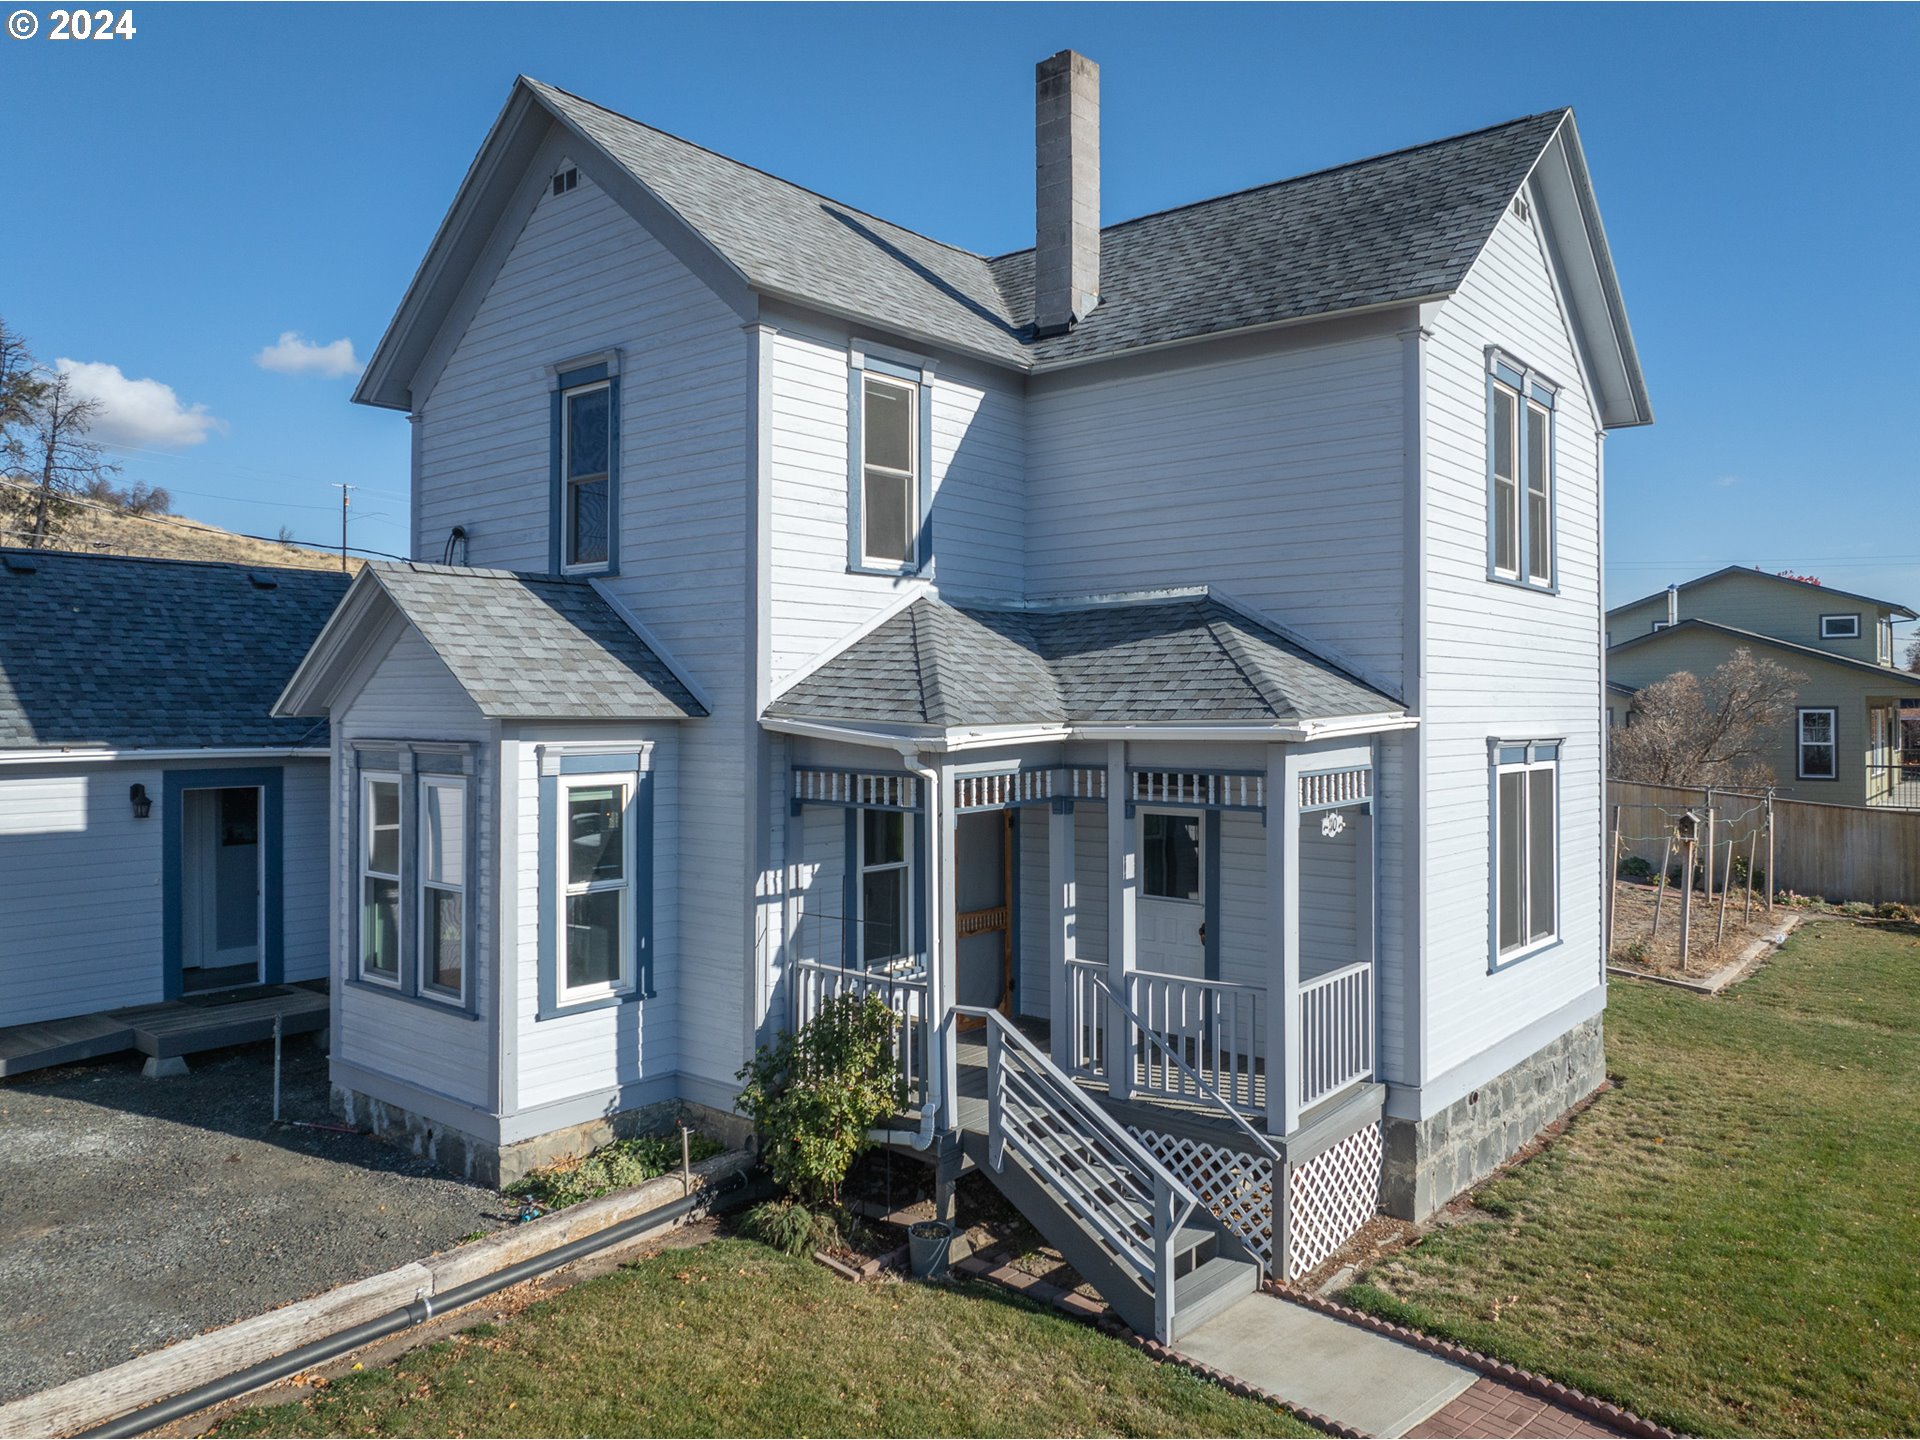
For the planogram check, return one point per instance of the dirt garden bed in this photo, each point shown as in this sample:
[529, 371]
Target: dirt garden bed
[1709, 950]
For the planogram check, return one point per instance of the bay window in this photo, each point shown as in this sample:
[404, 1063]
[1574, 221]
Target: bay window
[443, 887]
[380, 879]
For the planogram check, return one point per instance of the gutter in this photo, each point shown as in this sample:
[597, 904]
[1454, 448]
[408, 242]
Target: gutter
[910, 744]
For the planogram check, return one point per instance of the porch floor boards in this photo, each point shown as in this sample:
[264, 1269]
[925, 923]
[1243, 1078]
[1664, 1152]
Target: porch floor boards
[171, 1029]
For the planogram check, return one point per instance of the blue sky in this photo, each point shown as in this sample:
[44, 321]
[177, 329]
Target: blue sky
[235, 172]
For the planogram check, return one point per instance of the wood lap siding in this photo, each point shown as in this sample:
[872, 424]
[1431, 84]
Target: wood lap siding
[581, 278]
[1505, 661]
[978, 500]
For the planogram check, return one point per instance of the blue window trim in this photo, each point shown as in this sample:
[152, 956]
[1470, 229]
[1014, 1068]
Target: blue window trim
[270, 781]
[565, 381]
[1527, 384]
[627, 764]
[922, 379]
[414, 761]
[1534, 751]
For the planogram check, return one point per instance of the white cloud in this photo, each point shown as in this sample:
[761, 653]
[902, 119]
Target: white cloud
[139, 413]
[1727, 482]
[294, 354]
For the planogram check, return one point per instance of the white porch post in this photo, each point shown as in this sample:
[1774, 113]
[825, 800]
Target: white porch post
[943, 939]
[1283, 929]
[1120, 921]
[1062, 899]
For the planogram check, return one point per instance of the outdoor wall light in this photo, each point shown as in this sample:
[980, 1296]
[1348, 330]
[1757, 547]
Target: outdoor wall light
[142, 804]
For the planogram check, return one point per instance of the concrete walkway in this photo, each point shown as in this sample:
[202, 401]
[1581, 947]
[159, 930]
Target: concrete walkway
[1363, 1380]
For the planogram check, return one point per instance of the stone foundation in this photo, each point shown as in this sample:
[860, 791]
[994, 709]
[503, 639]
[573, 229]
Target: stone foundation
[486, 1163]
[1430, 1161]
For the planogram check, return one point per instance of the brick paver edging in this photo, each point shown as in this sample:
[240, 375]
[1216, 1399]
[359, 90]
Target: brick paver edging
[1578, 1401]
[1074, 1306]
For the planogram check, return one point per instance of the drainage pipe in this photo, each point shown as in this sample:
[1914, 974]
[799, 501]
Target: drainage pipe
[151, 1417]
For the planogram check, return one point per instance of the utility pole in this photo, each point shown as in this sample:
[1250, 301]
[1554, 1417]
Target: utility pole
[344, 490]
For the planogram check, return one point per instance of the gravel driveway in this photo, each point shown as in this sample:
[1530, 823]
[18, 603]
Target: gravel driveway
[136, 1212]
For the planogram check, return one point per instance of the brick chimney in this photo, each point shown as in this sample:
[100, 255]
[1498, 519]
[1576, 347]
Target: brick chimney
[1066, 142]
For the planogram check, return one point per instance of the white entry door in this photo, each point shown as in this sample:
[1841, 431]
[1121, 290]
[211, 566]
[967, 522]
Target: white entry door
[220, 871]
[1171, 908]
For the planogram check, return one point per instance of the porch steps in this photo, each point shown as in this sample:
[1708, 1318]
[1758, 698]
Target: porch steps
[1207, 1281]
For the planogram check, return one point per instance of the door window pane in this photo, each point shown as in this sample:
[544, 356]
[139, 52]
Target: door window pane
[596, 831]
[883, 911]
[239, 817]
[886, 837]
[593, 938]
[445, 950]
[1170, 860]
[1511, 846]
[380, 927]
[1540, 835]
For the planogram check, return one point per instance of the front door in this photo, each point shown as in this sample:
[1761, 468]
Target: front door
[983, 975]
[220, 913]
[1170, 910]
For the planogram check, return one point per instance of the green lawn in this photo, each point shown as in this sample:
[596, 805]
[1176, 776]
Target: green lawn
[1730, 1241]
[731, 1338]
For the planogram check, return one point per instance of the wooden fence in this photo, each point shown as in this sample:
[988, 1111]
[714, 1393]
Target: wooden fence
[1838, 852]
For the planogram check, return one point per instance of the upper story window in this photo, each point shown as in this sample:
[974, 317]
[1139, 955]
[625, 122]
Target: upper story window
[889, 453]
[1520, 517]
[1526, 879]
[1839, 627]
[1883, 640]
[585, 460]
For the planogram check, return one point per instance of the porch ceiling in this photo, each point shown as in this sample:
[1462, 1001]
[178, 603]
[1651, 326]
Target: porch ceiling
[1186, 658]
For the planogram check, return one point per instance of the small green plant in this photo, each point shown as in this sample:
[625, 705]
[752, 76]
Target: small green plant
[816, 1094]
[611, 1167]
[1636, 868]
[1634, 952]
[789, 1227]
[1858, 909]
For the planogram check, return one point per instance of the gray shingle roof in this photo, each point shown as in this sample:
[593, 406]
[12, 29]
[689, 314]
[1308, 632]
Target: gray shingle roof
[528, 647]
[125, 653]
[1398, 227]
[1183, 659]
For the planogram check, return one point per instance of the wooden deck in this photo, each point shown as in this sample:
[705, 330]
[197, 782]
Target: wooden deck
[171, 1030]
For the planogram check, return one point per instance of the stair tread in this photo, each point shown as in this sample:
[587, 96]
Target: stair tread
[1218, 1274]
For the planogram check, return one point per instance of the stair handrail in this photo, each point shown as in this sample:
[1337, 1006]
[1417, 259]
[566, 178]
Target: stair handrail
[1205, 1086]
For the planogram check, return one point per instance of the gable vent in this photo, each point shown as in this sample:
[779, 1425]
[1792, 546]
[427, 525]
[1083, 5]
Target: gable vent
[566, 180]
[1520, 207]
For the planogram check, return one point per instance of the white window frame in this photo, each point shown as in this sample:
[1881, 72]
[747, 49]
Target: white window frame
[366, 872]
[908, 949]
[1800, 741]
[1535, 760]
[910, 477]
[427, 988]
[1200, 849]
[568, 481]
[1525, 396]
[1828, 632]
[564, 887]
[1883, 639]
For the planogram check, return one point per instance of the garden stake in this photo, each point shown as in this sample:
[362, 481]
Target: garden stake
[276, 1069]
[1686, 905]
[1711, 818]
[1753, 842]
[1769, 850]
[686, 1159]
[1660, 895]
[1613, 891]
[1726, 884]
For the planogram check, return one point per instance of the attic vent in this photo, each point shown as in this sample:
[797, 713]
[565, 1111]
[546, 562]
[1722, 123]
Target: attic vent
[566, 180]
[263, 582]
[18, 564]
[1521, 208]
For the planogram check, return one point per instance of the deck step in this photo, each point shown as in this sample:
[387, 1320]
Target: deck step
[1216, 1286]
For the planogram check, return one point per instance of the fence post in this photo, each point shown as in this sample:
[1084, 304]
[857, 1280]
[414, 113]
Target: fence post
[1753, 847]
[1686, 904]
[1660, 894]
[1712, 832]
[1613, 892]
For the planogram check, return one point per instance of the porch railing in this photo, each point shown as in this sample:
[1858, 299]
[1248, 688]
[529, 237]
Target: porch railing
[1336, 1031]
[1895, 784]
[1126, 1196]
[1217, 1028]
[816, 982]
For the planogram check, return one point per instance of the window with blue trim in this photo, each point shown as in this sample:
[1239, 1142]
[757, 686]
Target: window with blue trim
[889, 456]
[1526, 882]
[596, 880]
[886, 886]
[1519, 476]
[586, 465]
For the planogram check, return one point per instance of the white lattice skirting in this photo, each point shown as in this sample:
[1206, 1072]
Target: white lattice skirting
[1235, 1186]
[1333, 1194]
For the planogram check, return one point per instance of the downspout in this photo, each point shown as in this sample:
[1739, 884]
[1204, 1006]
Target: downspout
[922, 1137]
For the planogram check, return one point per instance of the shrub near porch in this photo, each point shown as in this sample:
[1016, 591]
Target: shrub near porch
[1726, 1242]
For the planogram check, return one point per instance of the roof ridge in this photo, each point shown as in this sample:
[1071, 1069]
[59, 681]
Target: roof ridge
[1813, 651]
[621, 115]
[1725, 570]
[1562, 111]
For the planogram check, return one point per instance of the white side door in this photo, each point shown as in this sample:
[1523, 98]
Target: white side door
[1170, 910]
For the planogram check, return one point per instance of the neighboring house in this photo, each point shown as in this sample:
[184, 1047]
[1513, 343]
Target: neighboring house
[1844, 745]
[1184, 641]
[160, 832]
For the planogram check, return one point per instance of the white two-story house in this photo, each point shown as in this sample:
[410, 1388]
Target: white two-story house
[1164, 664]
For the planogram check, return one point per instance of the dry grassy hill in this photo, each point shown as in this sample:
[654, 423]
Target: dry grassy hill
[95, 531]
